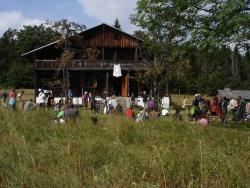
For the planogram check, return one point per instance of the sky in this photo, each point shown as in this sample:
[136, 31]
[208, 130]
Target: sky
[16, 13]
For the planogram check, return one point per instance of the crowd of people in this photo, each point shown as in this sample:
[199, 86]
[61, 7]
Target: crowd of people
[200, 110]
[15, 99]
[218, 107]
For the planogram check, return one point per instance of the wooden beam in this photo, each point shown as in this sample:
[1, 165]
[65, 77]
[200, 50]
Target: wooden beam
[102, 54]
[136, 53]
[107, 81]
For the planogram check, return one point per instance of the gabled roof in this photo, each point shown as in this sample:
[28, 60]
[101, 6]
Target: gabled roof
[229, 94]
[101, 25]
[104, 24]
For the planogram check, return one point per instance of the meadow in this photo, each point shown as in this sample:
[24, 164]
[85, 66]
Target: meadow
[117, 152]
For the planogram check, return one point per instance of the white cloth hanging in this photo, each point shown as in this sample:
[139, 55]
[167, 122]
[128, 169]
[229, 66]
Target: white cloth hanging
[165, 103]
[117, 72]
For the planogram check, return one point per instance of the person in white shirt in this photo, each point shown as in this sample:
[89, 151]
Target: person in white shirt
[20, 100]
[41, 98]
[112, 103]
[233, 105]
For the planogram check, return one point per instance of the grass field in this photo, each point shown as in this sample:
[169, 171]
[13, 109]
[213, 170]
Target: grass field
[116, 152]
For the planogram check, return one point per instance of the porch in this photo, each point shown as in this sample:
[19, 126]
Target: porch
[128, 65]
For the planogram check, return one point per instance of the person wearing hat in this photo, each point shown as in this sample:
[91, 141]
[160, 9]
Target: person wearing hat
[85, 98]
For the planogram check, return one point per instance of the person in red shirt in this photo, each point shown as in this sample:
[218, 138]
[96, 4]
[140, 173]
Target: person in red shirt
[130, 113]
[12, 101]
[214, 106]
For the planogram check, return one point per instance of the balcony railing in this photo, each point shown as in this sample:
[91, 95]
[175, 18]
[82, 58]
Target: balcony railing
[87, 65]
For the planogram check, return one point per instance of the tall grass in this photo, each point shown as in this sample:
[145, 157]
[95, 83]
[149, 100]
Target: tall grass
[34, 152]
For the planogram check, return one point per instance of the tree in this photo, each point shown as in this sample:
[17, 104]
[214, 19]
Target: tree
[31, 37]
[140, 34]
[69, 31]
[175, 26]
[7, 53]
[117, 24]
[20, 74]
[17, 71]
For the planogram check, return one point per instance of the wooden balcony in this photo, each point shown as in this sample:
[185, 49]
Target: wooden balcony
[86, 65]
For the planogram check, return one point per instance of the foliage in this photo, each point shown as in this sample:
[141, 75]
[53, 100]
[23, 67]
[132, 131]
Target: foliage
[34, 152]
[69, 31]
[20, 77]
[91, 54]
[66, 58]
[15, 71]
[7, 53]
[32, 37]
[173, 28]
[66, 27]
[213, 23]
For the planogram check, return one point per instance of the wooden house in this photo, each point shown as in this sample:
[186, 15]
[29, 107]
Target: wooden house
[91, 69]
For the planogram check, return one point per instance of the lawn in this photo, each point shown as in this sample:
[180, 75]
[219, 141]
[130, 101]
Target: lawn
[117, 152]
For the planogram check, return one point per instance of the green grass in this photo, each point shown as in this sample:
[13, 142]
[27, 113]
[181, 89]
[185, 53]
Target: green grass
[116, 152]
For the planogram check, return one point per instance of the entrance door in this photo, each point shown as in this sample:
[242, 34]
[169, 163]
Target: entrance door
[117, 86]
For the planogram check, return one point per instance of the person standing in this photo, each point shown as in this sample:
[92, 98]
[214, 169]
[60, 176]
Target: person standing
[12, 101]
[105, 102]
[20, 100]
[90, 100]
[51, 101]
[184, 103]
[41, 98]
[145, 99]
[224, 105]
[233, 105]
[4, 96]
[70, 95]
[241, 110]
[94, 105]
[85, 98]
[214, 106]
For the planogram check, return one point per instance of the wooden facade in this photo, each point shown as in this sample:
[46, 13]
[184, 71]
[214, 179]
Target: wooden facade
[112, 46]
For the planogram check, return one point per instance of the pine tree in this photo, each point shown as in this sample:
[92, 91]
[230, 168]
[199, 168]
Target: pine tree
[117, 24]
